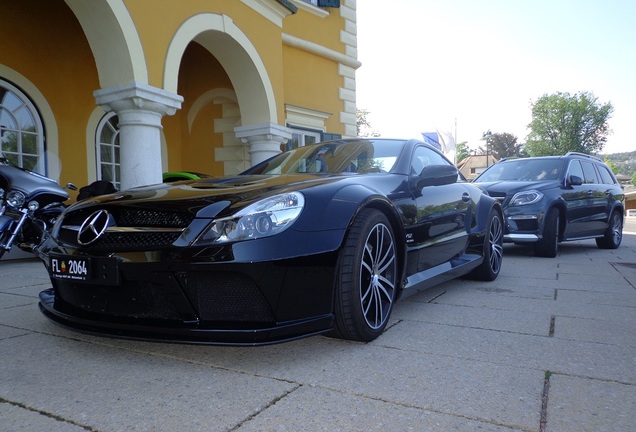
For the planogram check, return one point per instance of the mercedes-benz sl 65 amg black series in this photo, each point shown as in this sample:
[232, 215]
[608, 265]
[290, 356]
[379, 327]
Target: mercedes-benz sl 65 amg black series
[322, 238]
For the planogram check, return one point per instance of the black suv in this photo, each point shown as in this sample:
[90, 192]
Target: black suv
[551, 199]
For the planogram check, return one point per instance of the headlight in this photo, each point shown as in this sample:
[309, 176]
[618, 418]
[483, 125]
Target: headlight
[526, 197]
[15, 199]
[267, 217]
[33, 205]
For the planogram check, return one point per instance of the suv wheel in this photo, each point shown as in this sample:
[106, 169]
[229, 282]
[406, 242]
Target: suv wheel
[614, 233]
[549, 244]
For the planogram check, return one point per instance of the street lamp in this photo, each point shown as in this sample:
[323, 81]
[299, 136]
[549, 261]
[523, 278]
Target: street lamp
[486, 137]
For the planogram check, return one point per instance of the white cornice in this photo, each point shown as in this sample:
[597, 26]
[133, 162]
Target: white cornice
[320, 50]
[270, 9]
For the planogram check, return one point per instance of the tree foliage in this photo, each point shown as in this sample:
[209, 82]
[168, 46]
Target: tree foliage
[461, 151]
[502, 145]
[562, 122]
[363, 126]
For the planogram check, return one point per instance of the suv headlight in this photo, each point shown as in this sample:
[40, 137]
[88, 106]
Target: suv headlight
[267, 217]
[526, 197]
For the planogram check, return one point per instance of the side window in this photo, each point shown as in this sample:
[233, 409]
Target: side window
[576, 170]
[589, 172]
[21, 129]
[606, 177]
[107, 149]
[423, 157]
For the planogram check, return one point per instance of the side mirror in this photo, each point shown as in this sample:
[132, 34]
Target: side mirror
[437, 175]
[574, 180]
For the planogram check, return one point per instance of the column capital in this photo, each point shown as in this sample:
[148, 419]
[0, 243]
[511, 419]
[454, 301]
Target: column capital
[263, 131]
[264, 139]
[138, 96]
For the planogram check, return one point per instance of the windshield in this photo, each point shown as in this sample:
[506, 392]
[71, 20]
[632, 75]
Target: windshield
[523, 170]
[334, 157]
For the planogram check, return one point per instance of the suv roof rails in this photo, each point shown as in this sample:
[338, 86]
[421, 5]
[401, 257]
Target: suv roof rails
[582, 155]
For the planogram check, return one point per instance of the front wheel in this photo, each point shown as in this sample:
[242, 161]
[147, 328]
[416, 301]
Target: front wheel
[490, 267]
[5, 233]
[367, 278]
[613, 235]
[549, 244]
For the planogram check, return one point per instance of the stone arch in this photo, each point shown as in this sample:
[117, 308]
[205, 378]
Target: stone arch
[111, 34]
[238, 56]
[218, 95]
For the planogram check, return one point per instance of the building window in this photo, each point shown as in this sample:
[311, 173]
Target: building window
[302, 137]
[107, 149]
[21, 130]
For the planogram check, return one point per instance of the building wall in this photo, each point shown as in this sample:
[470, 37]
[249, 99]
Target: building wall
[234, 64]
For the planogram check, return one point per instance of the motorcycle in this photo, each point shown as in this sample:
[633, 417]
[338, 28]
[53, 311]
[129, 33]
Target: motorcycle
[29, 205]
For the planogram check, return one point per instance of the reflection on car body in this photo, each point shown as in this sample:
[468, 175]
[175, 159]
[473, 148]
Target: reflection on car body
[323, 238]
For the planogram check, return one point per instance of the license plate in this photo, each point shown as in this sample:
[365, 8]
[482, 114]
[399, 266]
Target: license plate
[71, 268]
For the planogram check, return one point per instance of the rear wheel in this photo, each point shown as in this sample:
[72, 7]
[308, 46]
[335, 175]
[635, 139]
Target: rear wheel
[614, 234]
[549, 244]
[490, 267]
[366, 278]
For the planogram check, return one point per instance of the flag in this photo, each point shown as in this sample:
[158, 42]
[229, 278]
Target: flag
[443, 141]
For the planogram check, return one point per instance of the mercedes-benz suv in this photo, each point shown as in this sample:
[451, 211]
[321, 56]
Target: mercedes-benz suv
[547, 200]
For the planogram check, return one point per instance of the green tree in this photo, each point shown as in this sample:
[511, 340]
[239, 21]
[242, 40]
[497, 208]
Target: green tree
[502, 145]
[611, 165]
[562, 122]
[363, 126]
[461, 151]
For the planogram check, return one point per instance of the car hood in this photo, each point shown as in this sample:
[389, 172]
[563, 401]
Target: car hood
[506, 188]
[207, 198]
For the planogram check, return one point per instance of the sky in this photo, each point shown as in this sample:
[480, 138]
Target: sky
[468, 66]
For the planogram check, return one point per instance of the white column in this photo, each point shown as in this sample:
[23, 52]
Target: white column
[140, 108]
[264, 140]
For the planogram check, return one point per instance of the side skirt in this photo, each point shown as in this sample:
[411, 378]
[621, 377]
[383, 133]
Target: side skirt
[443, 272]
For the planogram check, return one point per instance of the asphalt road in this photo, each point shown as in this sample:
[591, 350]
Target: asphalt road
[548, 346]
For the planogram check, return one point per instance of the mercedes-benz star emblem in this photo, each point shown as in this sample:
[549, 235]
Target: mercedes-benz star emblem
[93, 227]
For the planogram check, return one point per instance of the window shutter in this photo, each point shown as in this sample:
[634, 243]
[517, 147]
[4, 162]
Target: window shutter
[329, 3]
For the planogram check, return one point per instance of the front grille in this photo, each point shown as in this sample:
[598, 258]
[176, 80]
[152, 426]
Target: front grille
[133, 241]
[153, 218]
[499, 196]
[218, 297]
[138, 300]
[527, 225]
[225, 296]
[126, 217]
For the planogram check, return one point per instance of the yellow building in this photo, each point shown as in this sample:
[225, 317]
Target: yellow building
[124, 90]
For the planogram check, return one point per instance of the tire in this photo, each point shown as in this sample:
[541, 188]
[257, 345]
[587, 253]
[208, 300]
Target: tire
[4, 237]
[614, 234]
[490, 267]
[549, 245]
[367, 278]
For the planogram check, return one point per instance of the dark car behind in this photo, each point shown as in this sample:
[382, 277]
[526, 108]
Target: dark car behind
[551, 199]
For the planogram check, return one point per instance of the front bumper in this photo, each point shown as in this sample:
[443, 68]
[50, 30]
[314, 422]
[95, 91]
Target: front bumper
[187, 332]
[207, 298]
[523, 227]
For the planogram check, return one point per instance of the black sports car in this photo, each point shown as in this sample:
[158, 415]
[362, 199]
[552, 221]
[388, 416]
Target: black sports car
[321, 238]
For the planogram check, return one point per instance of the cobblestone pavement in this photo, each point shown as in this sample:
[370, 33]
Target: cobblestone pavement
[548, 346]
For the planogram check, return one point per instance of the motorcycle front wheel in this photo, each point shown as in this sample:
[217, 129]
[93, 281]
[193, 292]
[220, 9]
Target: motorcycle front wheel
[5, 232]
